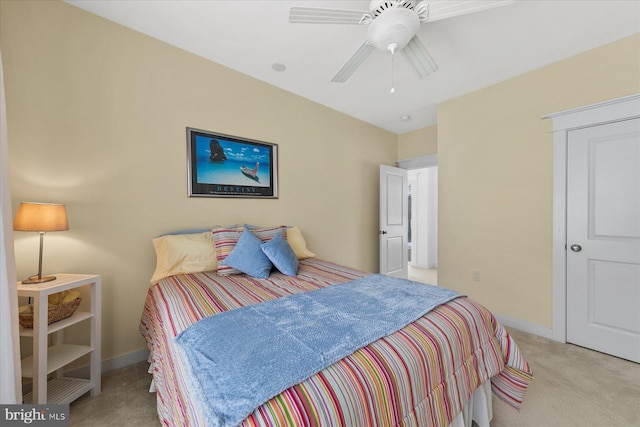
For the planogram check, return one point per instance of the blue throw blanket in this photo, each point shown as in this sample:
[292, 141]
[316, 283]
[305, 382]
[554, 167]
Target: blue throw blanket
[239, 359]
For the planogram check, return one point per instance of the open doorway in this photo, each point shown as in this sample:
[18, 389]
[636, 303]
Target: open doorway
[423, 225]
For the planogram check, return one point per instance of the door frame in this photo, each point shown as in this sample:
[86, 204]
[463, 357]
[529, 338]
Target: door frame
[418, 162]
[421, 162]
[624, 108]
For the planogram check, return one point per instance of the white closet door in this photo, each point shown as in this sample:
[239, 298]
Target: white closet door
[603, 238]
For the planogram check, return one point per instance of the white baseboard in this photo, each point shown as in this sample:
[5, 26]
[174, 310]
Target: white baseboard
[112, 364]
[525, 326]
[125, 360]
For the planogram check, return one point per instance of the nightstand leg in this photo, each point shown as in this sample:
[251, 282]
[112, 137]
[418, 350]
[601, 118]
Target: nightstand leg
[96, 354]
[40, 309]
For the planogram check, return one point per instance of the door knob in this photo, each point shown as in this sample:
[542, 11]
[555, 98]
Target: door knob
[383, 232]
[576, 248]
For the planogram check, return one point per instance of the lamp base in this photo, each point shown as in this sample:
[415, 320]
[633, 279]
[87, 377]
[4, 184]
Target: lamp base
[35, 279]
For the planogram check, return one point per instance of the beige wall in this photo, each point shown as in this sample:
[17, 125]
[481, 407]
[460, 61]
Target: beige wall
[421, 142]
[97, 116]
[495, 177]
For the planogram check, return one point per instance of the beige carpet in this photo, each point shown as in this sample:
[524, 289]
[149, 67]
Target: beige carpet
[124, 401]
[573, 386]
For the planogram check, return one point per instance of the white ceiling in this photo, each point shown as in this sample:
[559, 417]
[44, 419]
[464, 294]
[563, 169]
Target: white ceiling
[472, 51]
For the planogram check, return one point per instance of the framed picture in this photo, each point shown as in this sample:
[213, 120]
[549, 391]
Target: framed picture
[229, 166]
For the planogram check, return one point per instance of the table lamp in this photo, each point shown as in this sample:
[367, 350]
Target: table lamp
[40, 217]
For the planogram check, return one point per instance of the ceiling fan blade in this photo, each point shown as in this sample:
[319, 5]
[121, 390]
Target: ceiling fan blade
[312, 15]
[434, 10]
[353, 63]
[418, 57]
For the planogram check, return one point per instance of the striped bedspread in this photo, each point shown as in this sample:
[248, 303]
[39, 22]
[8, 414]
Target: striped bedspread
[419, 376]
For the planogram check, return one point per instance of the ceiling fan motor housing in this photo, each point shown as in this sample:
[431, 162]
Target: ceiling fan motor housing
[376, 7]
[393, 28]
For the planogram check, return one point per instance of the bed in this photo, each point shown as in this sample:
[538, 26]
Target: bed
[435, 371]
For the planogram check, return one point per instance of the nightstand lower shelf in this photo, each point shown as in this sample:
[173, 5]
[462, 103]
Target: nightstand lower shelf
[62, 390]
[58, 356]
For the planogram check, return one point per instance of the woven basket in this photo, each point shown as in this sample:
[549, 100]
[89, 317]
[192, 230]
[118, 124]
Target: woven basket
[57, 312]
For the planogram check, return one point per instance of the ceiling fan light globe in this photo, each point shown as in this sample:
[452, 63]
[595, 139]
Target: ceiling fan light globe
[396, 25]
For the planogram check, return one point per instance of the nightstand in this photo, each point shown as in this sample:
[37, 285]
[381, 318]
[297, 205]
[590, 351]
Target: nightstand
[46, 360]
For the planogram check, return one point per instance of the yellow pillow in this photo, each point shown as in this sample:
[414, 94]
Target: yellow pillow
[183, 253]
[297, 243]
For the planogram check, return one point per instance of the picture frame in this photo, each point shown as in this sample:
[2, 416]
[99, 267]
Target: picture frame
[222, 165]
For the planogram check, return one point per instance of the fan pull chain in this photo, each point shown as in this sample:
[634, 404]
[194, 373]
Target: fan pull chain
[392, 48]
[393, 89]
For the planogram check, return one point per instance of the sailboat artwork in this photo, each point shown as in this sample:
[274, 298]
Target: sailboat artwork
[227, 166]
[251, 173]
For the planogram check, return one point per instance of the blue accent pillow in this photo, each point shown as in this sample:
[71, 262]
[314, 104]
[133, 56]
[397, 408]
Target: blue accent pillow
[281, 255]
[247, 257]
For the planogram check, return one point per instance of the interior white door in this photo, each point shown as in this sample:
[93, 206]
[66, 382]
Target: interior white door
[394, 218]
[603, 238]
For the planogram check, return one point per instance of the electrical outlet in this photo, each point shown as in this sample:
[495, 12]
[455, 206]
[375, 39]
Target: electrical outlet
[476, 276]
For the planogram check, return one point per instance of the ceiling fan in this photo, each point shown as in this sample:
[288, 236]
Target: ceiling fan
[393, 26]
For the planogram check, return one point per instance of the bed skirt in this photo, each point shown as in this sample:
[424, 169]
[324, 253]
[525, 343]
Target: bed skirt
[478, 408]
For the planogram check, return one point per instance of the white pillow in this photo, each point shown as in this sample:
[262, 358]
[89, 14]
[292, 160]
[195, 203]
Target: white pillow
[183, 253]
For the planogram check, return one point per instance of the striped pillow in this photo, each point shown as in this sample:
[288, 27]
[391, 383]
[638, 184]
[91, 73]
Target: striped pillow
[226, 239]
